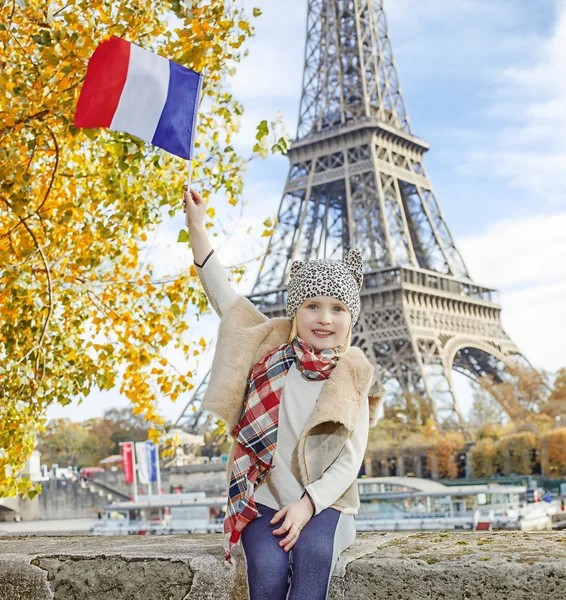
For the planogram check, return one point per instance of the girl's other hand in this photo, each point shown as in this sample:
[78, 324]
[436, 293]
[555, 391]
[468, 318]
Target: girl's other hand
[194, 206]
[297, 515]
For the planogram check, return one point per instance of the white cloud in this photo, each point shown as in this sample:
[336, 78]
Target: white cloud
[527, 147]
[270, 78]
[518, 252]
[524, 260]
[535, 318]
[437, 39]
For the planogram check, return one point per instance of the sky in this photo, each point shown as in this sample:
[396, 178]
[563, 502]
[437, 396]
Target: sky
[484, 85]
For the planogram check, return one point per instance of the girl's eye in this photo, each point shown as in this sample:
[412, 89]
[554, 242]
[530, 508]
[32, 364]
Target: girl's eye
[338, 307]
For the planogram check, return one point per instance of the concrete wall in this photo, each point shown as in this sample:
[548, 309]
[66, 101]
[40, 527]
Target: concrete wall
[115, 480]
[19, 508]
[68, 499]
[377, 566]
[209, 478]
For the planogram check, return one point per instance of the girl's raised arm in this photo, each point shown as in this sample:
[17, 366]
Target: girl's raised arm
[210, 271]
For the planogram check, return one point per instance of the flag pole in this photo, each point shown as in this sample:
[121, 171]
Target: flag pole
[190, 160]
[135, 482]
[189, 174]
[158, 482]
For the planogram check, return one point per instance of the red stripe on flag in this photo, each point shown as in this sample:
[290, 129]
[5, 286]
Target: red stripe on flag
[105, 78]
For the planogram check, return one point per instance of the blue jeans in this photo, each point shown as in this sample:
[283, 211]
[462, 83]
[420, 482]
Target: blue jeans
[304, 572]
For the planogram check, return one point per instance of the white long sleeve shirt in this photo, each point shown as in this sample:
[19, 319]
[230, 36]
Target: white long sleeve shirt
[298, 399]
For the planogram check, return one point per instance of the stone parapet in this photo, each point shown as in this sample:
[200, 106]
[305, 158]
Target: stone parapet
[377, 566]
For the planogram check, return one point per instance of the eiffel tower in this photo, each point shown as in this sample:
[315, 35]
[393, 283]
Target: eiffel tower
[357, 180]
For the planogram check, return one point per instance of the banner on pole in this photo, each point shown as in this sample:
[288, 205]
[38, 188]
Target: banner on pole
[127, 450]
[141, 456]
[152, 460]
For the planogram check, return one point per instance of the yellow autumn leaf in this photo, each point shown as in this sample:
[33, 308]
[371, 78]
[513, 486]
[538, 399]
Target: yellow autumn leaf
[154, 435]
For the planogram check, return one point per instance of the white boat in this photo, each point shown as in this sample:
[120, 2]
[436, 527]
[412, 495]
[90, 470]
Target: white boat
[164, 514]
[387, 504]
[416, 504]
[527, 517]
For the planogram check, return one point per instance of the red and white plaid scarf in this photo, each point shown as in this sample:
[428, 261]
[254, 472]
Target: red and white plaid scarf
[256, 431]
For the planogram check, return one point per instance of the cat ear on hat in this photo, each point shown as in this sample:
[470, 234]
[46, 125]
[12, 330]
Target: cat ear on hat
[353, 259]
[354, 262]
[296, 267]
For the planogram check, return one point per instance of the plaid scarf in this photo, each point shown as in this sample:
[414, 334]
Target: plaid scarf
[256, 432]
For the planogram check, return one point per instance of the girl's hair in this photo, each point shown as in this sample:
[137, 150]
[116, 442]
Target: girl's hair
[341, 350]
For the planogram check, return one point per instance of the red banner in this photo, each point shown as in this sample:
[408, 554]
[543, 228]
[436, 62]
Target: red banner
[128, 461]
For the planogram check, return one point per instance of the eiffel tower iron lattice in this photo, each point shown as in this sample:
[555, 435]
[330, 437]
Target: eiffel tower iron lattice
[357, 180]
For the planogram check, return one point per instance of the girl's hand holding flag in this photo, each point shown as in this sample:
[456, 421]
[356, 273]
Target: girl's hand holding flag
[194, 207]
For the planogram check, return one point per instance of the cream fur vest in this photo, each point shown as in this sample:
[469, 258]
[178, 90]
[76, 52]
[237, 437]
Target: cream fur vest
[245, 336]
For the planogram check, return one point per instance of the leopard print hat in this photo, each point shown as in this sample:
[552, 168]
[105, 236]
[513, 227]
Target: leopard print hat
[341, 279]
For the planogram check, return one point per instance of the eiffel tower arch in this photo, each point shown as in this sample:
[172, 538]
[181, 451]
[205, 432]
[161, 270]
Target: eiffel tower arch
[357, 180]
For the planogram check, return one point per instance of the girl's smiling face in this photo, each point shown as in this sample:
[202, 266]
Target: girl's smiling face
[323, 313]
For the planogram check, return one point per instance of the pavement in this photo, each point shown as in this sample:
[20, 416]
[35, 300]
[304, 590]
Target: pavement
[52, 527]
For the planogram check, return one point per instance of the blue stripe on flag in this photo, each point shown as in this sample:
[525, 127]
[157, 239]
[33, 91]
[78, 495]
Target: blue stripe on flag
[177, 125]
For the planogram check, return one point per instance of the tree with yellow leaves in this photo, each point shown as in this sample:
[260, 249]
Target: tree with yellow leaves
[81, 306]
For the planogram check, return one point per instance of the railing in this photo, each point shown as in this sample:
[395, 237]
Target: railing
[394, 278]
[430, 515]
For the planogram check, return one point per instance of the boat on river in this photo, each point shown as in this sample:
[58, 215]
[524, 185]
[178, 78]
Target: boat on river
[163, 514]
[386, 504]
[416, 504]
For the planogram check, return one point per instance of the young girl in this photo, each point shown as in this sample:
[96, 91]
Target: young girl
[298, 400]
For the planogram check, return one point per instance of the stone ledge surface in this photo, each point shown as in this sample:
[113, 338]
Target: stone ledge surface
[399, 566]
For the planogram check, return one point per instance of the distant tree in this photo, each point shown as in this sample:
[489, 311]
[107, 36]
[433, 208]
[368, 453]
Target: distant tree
[484, 458]
[553, 445]
[510, 422]
[115, 426]
[515, 453]
[412, 409]
[390, 432]
[445, 449]
[86, 443]
[486, 409]
[555, 406]
[66, 443]
[522, 391]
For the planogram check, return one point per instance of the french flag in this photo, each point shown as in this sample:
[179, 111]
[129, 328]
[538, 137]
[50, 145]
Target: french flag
[135, 91]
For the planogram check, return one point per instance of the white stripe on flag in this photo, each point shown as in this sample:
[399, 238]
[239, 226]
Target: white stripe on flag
[144, 94]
